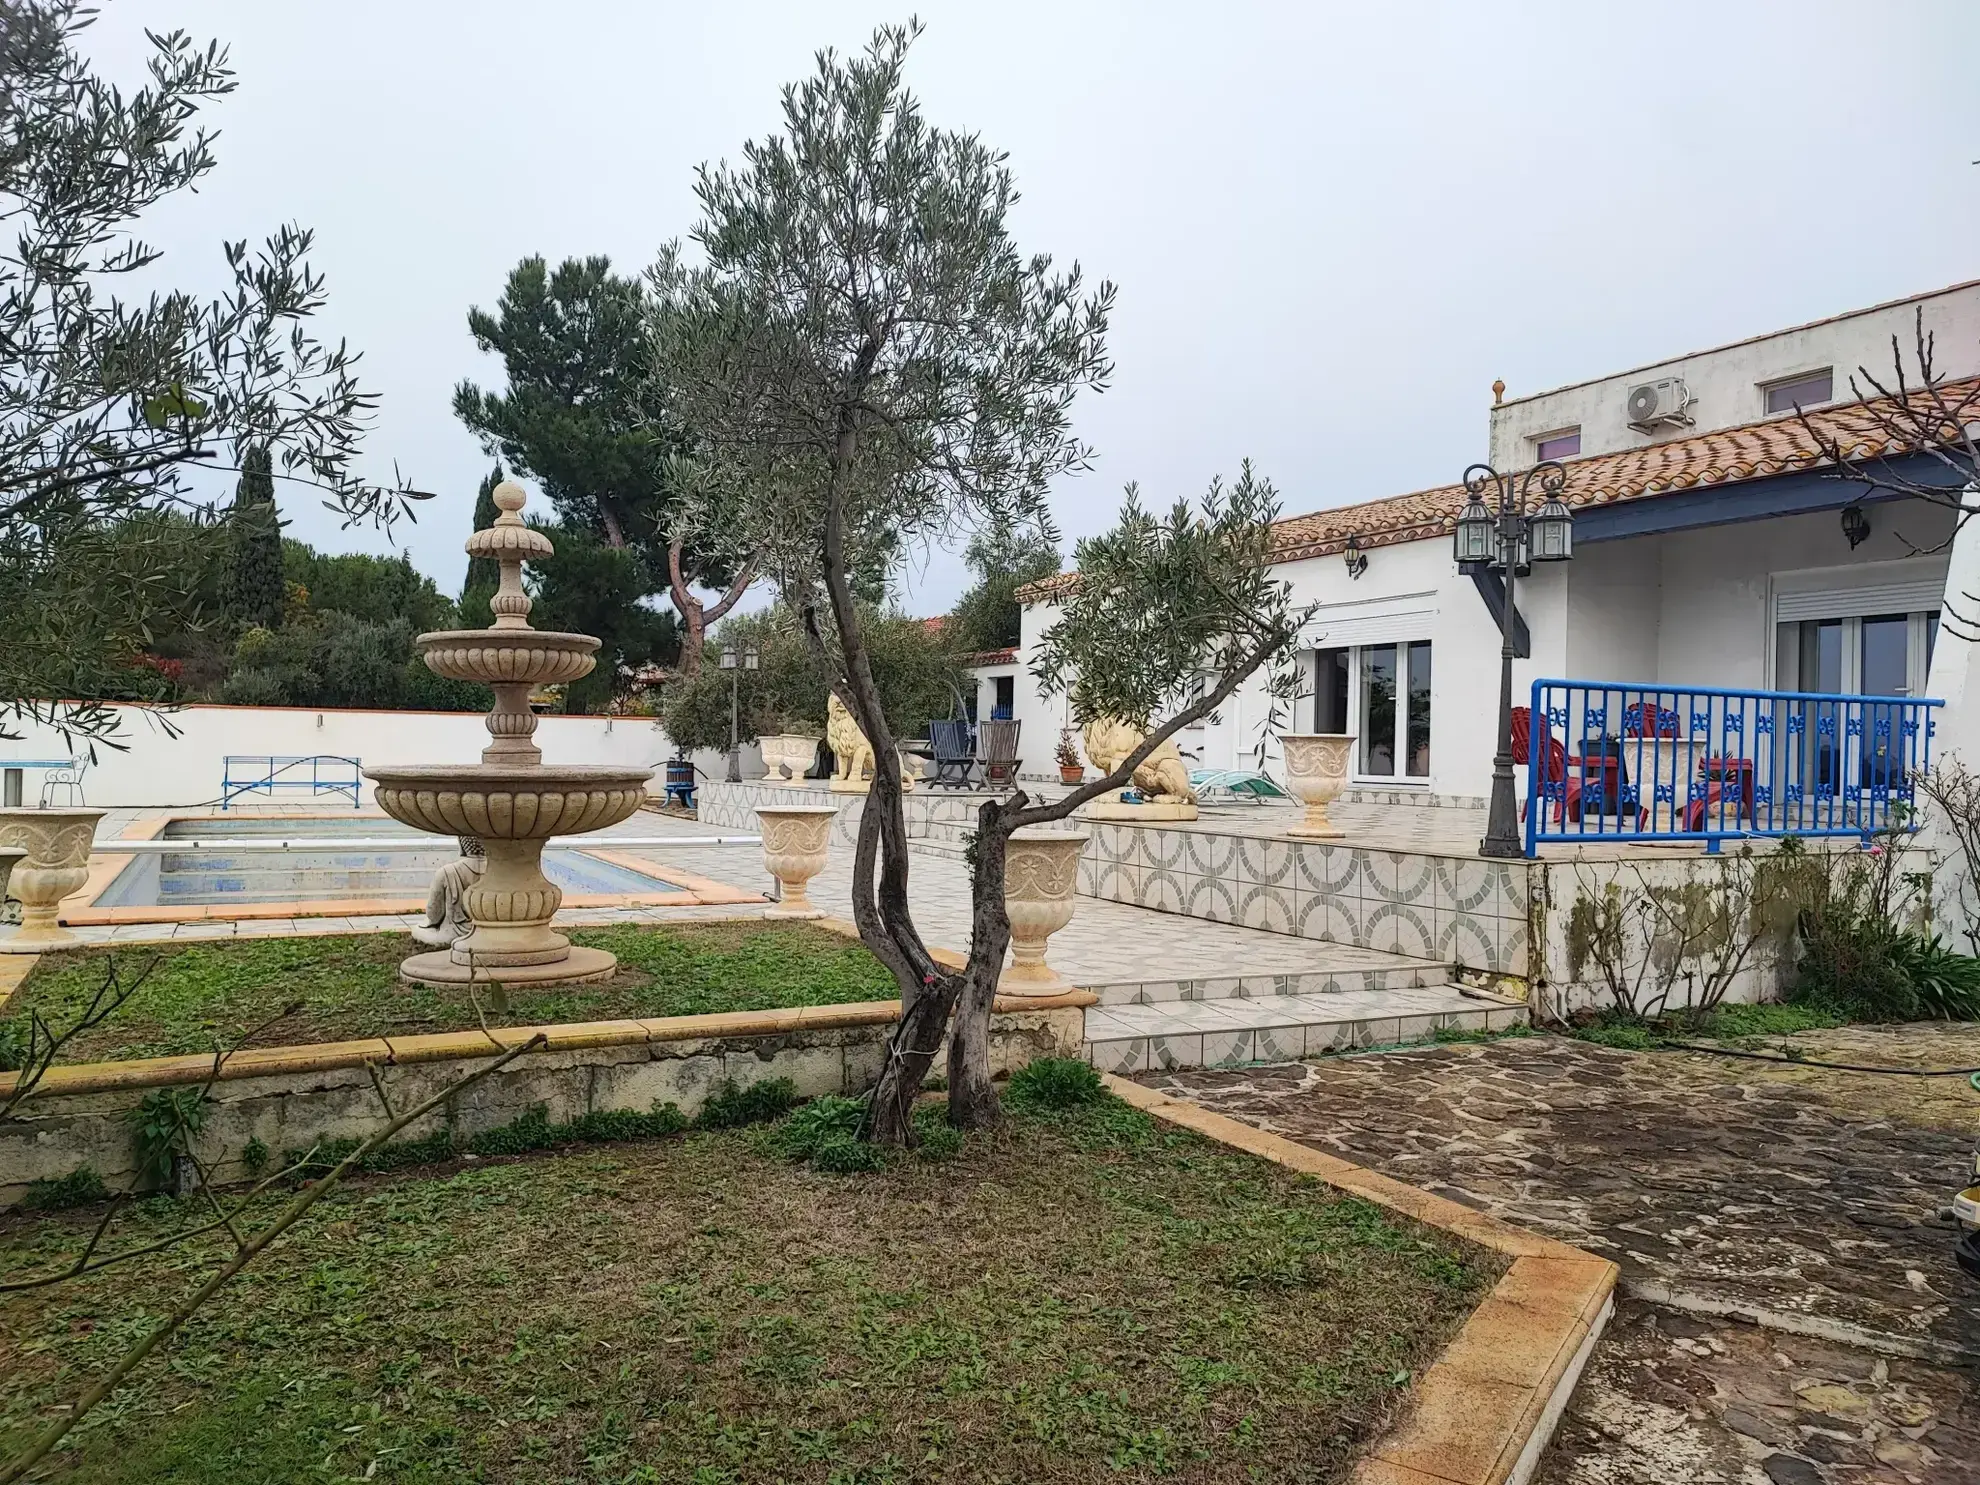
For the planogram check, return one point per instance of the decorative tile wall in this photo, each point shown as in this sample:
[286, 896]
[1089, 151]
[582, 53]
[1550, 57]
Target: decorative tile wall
[1454, 910]
[1449, 909]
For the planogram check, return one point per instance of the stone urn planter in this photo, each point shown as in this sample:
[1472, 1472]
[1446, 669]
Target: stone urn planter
[795, 839]
[787, 756]
[56, 863]
[1317, 773]
[1041, 875]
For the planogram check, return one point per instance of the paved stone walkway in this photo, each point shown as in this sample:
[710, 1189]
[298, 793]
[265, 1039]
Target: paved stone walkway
[1812, 1200]
[1672, 1397]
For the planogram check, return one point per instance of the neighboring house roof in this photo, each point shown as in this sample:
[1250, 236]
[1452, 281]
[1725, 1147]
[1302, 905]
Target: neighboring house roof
[988, 657]
[1722, 457]
[935, 623]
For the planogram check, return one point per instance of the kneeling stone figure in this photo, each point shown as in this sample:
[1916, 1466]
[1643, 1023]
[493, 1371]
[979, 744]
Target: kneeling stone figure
[446, 901]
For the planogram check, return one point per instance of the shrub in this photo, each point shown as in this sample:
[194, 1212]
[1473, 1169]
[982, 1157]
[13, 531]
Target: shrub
[730, 1107]
[78, 1188]
[162, 1124]
[609, 1126]
[1944, 982]
[937, 1138]
[825, 1135]
[1054, 1083]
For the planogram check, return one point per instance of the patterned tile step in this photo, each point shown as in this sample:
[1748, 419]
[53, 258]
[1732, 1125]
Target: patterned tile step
[1280, 1028]
[1339, 969]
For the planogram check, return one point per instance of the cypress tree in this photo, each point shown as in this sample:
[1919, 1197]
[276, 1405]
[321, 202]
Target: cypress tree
[483, 575]
[254, 572]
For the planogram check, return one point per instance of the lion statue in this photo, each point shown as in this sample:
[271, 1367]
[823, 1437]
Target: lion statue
[852, 754]
[1161, 776]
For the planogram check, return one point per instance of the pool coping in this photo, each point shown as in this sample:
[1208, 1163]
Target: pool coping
[106, 864]
[1484, 1411]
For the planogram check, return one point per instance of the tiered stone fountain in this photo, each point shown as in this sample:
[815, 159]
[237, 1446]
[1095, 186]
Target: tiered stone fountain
[510, 800]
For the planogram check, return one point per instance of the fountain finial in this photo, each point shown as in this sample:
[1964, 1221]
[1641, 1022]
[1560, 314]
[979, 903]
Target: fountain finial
[509, 543]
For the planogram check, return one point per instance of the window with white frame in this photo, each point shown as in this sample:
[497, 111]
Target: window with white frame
[1381, 693]
[1808, 390]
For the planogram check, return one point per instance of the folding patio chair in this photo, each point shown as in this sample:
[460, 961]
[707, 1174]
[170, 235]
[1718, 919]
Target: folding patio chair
[954, 754]
[996, 751]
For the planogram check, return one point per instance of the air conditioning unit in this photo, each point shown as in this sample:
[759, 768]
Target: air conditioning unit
[1660, 404]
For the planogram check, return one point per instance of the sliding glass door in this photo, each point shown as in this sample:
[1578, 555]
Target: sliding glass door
[1381, 693]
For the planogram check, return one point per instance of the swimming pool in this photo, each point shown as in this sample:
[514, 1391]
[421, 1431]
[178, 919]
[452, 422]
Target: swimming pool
[201, 877]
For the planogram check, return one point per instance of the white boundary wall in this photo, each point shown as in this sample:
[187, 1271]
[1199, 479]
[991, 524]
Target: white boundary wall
[157, 768]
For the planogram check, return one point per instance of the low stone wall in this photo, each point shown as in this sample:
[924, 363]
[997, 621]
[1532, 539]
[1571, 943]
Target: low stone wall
[1665, 922]
[290, 1098]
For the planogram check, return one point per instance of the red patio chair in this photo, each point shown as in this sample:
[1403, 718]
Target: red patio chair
[1721, 774]
[1564, 770]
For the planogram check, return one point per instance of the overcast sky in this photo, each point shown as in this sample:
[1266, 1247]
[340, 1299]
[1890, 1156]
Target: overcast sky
[1332, 226]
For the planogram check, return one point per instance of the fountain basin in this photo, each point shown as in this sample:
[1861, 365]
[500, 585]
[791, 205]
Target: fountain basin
[517, 802]
[498, 657]
[513, 809]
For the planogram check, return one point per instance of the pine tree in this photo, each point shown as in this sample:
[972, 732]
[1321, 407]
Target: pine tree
[254, 572]
[483, 574]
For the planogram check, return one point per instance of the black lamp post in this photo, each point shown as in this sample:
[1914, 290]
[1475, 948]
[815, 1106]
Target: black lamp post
[1509, 542]
[750, 661]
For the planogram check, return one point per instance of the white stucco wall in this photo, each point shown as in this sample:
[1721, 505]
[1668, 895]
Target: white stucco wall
[1726, 382]
[156, 768]
[1415, 578]
[1692, 608]
[1716, 627]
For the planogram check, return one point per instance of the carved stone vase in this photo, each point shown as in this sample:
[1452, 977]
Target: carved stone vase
[786, 757]
[1041, 878]
[795, 839]
[1317, 772]
[56, 864]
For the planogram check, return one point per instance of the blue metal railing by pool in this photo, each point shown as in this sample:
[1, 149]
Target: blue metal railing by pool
[1647, 762]
[321, 773]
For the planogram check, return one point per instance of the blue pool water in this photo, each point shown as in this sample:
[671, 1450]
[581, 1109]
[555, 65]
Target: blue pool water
[213, 876]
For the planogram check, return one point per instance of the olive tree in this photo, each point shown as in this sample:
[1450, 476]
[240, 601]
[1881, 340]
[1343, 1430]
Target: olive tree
[871, 366]
[107, 400]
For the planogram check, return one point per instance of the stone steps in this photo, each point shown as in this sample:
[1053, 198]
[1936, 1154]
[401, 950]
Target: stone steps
[1233, 1032]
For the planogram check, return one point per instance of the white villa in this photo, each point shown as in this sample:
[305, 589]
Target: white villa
[1710, 550]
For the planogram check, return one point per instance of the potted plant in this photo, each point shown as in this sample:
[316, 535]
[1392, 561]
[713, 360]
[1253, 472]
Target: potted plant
[1071, 770]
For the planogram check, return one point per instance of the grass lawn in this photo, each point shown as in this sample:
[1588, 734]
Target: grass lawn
[349, 986]
[1079, 1295]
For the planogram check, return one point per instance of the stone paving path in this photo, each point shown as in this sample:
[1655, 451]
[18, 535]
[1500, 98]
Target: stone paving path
[1672, 1397]
[1809, 1199]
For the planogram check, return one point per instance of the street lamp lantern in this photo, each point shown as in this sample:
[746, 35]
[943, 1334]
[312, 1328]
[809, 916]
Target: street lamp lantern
[1505, 541]
[732, 661]
[1474, 532]
[1553, 532]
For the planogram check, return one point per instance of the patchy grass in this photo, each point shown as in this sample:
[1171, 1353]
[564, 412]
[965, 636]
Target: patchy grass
[1079, 1295]
[1733, 1022]
[200, 994]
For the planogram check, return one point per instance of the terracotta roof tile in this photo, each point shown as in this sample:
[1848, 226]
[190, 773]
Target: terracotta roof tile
[1722, 457]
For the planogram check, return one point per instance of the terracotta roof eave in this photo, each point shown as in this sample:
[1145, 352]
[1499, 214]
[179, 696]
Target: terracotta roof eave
[1723, 456]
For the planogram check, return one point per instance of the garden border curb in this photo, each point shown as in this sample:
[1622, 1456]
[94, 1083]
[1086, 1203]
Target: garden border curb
[1484, 1411]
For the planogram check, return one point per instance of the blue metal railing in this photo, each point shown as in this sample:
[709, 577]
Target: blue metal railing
[322, 773]
[1646, 762]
